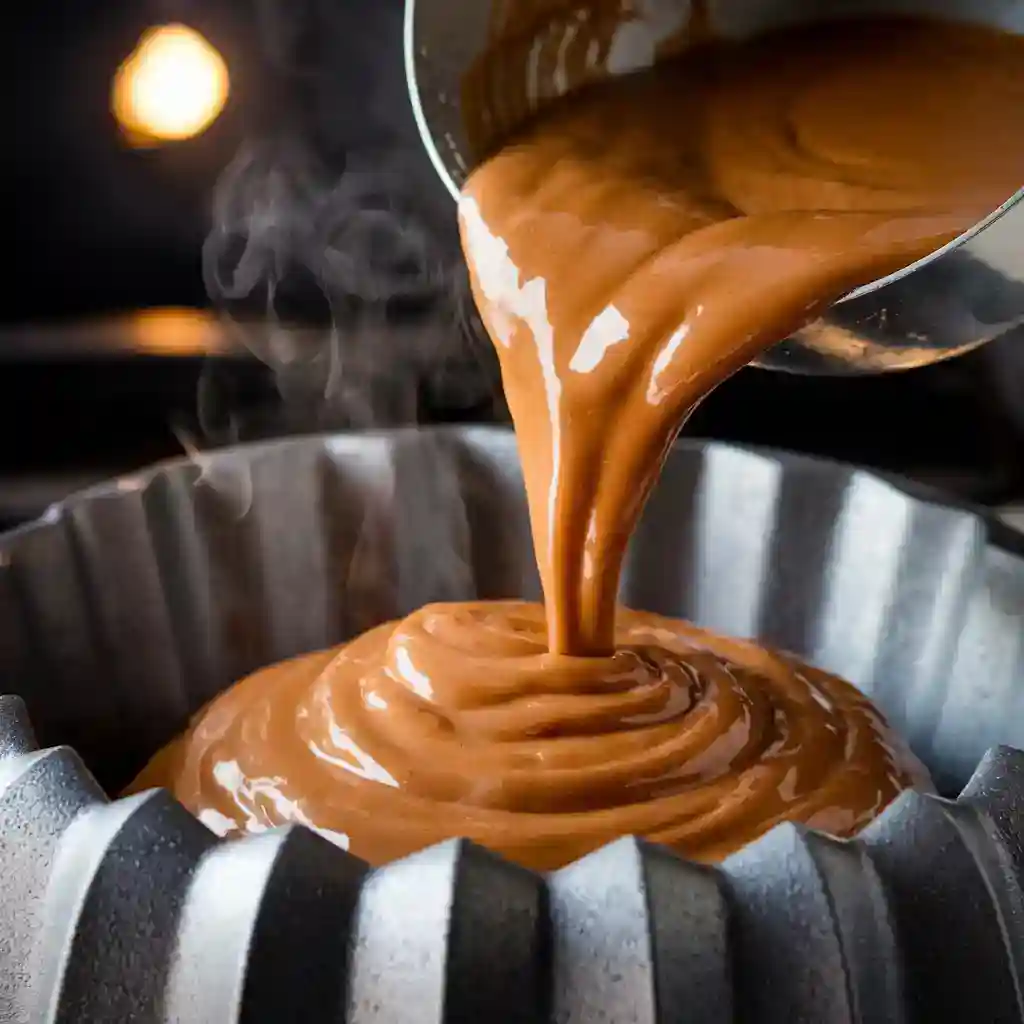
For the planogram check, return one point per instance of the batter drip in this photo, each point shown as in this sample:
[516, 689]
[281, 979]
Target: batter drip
[629, 251]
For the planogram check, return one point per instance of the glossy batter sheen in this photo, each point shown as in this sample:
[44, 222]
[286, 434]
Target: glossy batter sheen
[458, 721]
[628, 252]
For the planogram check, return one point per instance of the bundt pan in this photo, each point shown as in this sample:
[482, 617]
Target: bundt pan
[129, 606]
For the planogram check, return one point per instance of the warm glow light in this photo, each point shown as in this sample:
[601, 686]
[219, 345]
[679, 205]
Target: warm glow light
[172, 86]
[175, 332]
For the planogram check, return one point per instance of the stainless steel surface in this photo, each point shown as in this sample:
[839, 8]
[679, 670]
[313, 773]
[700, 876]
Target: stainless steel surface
[954, 300]
[128, 606]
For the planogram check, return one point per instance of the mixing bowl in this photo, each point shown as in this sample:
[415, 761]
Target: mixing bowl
[957, 298]
[127, 607]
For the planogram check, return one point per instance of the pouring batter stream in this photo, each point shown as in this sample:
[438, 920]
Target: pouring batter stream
[629, 251]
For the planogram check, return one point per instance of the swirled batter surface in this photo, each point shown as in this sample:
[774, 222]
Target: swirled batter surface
[458, 721]
[629, 250]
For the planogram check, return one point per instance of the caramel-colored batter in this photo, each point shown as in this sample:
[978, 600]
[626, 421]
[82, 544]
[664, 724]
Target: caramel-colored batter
[459, 722]
[629, 251]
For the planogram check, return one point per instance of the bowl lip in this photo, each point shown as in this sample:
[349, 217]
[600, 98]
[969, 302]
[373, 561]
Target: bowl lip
[998, 533]
[1005, 208]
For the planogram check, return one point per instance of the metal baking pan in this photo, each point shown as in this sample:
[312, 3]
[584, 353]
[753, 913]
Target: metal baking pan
[128, 606]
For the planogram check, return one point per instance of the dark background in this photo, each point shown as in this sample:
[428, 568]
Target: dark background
[96, 231]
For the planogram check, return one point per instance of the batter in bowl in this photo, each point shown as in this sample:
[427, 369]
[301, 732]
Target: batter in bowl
[629, 250]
